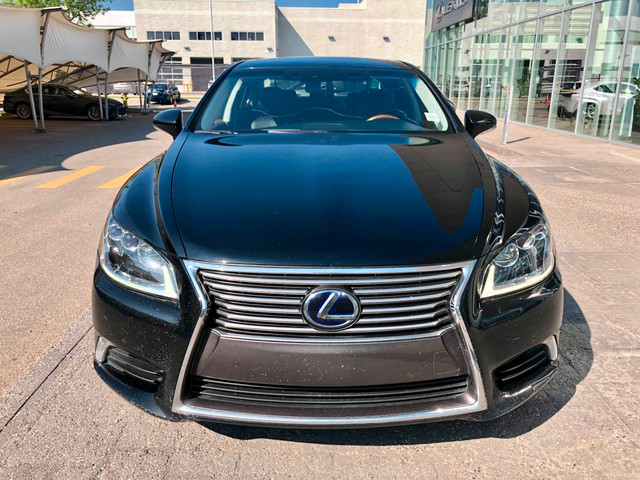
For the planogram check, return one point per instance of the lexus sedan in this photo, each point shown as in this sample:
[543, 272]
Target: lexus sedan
[325, 245]
[60, 100]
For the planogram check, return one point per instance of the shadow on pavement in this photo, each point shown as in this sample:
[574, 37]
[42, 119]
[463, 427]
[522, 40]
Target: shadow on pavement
[22, 150]
[576, 359]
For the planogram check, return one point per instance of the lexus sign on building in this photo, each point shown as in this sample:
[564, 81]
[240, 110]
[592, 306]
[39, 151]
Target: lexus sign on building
[450, 12]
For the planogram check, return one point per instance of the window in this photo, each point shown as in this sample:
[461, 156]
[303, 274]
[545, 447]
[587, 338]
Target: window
[160, 35]
[335, 99]
[247, 36]
[205, 36]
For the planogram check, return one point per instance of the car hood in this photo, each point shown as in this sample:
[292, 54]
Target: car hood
[327, 199]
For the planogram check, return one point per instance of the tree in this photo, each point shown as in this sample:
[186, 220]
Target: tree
[78, 11]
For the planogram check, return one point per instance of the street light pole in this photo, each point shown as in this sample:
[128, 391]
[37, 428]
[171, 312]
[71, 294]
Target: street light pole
[213, 58]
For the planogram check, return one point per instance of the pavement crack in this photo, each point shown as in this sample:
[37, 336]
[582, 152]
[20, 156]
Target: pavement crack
[57, 365]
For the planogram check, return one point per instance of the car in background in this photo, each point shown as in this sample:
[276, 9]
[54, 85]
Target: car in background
[163, 93]
[60, 100]
[597, 99]
[325, 245]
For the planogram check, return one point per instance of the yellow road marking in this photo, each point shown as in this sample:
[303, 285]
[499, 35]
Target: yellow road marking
[118, 182]
[33, 171]
[70, 178]
[2, 166]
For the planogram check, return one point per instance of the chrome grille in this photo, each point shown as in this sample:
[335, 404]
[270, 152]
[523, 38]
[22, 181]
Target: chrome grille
[267, 301]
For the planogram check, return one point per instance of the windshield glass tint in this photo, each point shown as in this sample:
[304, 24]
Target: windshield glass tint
[322, 99]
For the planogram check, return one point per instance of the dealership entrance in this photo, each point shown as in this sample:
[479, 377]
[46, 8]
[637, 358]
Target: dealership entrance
[572, 65]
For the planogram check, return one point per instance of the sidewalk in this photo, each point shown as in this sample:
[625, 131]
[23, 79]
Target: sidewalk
[533, 142]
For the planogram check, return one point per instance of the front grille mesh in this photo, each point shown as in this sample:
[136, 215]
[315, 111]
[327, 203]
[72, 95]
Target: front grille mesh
[267, 303]
[212, 389]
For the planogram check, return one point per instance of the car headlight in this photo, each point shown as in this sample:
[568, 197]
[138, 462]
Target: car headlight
[130, 261]
[521, 264]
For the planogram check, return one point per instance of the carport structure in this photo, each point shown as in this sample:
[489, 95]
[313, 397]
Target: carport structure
[39, 45]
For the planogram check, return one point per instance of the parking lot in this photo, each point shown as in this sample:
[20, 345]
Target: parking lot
[59, 420]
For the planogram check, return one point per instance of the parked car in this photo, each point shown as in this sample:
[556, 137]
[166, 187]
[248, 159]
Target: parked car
[598, 98]
[163, 93]
[301, 258]
[60, 100]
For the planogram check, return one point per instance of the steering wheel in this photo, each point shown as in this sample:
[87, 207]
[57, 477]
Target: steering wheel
[381, 116]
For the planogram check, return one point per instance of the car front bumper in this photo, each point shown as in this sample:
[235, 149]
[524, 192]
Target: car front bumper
[327, 382]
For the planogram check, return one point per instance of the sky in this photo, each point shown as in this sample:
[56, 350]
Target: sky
[128, 4]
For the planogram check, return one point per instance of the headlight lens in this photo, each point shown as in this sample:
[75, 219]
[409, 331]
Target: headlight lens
[521, 264]
[135, 264]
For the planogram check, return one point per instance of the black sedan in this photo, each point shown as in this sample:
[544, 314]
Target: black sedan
[60, 100]
[325, 245]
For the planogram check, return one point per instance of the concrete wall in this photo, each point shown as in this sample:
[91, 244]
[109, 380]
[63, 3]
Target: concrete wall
[358, 30]
[193, 15]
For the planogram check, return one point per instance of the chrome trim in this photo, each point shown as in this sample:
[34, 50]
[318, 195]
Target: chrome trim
[552, 347]
[102, 347]
[480, 403]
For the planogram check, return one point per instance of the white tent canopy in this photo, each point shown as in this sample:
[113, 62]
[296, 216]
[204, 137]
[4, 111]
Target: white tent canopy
[44, 43]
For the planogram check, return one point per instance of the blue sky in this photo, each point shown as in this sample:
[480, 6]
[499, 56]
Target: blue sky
[128, 4]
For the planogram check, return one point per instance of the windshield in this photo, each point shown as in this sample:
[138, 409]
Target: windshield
[322, 99]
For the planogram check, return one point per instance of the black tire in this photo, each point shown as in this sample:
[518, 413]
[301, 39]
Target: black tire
[178, 99]
[589, 111]
[93, 112]
[23, 111]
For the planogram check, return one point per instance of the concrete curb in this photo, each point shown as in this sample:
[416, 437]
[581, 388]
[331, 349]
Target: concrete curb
[22, 389]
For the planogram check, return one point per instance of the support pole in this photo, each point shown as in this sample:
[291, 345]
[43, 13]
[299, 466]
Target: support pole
[40, 102]
[106, 97]
[33, 103]
[99, 96]
[507, 116]
[213, 58]
[140, 91]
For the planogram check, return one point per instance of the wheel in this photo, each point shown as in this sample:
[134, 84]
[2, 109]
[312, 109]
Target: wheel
[23, 111]
[590, 111]
[178, 99]
[93, 112]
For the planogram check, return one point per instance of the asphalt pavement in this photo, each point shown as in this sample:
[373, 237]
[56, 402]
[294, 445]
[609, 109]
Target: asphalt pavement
[59, 421]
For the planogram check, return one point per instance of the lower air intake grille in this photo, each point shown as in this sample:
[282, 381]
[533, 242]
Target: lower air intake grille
[515, 372]
[132, 370]
[331, 397]
[268, 301]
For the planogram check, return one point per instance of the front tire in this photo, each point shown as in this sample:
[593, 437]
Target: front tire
[23, 111]
[93, 112]
[590, 111]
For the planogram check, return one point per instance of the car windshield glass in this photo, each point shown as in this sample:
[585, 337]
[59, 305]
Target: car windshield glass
[160, 86]
[322, 99]
[80, 92]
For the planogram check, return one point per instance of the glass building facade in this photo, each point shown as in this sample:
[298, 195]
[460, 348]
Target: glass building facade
[572, 65]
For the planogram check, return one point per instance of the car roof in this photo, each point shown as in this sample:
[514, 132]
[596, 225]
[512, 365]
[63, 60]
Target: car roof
[323, 62]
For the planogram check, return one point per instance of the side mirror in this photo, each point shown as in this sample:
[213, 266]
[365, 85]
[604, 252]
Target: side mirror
[71, 95]
[476, 122]
[169, 121]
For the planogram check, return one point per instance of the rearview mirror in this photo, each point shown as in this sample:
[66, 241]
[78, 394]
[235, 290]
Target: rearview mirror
[476, 122]
[169, 121]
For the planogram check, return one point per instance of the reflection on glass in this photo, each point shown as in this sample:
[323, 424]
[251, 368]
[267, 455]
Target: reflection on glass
[475, 85]
[627, 118]
[464, 71]
[568, 76]
[544, 69]
[505, 70]
[525, 41]
[597, 95]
